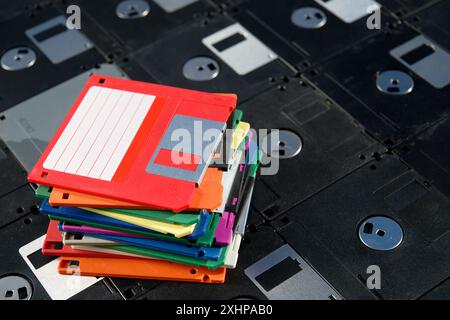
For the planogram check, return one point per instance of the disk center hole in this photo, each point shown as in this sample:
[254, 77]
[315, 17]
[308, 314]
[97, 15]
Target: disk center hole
[394, 82]
[381, 233]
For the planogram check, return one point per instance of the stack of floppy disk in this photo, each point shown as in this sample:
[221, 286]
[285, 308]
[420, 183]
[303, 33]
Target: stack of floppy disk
[147, 181]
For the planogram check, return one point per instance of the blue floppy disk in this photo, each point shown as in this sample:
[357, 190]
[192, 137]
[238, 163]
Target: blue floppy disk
[79, 214]
[170, 247]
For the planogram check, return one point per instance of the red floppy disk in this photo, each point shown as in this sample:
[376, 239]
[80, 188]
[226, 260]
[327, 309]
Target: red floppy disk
[121, 140]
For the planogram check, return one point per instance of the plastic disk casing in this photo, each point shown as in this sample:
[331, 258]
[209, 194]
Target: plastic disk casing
[139, 268]
[116, 142]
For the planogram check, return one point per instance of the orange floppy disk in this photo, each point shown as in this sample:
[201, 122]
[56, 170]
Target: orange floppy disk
[207, 196]
[139, 268]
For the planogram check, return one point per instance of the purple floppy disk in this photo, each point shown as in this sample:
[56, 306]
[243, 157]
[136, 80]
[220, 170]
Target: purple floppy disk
[224, 230]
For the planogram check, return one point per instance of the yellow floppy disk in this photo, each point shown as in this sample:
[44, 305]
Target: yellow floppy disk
[239, 134]
[177, 230]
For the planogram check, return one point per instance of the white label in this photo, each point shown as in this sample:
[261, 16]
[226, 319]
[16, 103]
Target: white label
[110, 251]
[350, 11]
[58, 286]
[99, 133]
